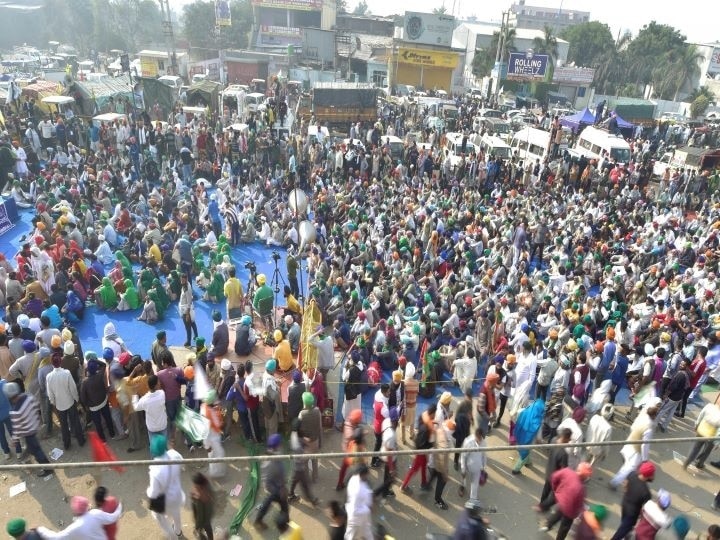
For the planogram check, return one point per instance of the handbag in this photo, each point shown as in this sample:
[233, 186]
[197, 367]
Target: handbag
[157, 504]
[483, 477]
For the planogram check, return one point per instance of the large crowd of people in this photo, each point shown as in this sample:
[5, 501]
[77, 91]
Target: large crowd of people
[541, 293]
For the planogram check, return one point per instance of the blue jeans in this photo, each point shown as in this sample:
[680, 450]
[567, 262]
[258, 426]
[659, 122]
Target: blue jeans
[6, 423]
[34, 448]
[171, 408]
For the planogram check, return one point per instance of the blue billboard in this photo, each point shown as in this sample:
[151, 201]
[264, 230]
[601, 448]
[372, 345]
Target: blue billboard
[524, 65]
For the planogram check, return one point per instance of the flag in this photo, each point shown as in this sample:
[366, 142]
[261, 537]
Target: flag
[101, 451]
[202, 385]
[194, 425]
[249, 499]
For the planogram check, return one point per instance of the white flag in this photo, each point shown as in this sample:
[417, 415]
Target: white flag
[202, 385]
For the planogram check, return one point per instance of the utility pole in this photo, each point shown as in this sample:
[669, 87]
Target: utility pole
[500, 51]
[169, 37]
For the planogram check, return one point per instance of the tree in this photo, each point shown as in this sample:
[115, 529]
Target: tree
[547, 44]
[686, 66]
[442, 10]
[198, 25]
[361, 8]
[700, 99]
[341, 6]
[699, 105]
[588, 43]
[484, 59]
[654, 41]
[702, 91]
[610, 74]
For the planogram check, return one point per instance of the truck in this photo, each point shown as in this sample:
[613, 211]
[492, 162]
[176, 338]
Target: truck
[338, 104]
[689, 158]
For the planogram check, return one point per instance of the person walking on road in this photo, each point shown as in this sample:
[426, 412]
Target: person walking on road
[25, 418]
[568, 497]
[706, 425]
[637, 493]
[165, 482]
[472, 464]
[275, 480]
[359, 506]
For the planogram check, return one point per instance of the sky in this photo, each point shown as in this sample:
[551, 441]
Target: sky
[694, 18]
[686, 16]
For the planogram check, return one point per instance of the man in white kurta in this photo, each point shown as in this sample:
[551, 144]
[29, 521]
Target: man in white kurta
[165, 480]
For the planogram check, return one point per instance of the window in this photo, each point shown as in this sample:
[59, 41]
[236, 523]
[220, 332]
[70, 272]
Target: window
[161, 65]
[584, 143]
[596, 149]
[378, 77]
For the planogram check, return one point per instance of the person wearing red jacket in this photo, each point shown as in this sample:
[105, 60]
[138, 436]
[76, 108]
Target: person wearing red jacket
[107, 503]
[568, 497]
[697, 368]
[381, 411]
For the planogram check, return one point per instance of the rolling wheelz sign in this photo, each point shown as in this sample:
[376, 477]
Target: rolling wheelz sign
[527, 66]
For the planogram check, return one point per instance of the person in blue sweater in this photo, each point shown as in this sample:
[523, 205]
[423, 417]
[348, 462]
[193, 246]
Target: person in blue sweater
[618, 370]
[214, 214]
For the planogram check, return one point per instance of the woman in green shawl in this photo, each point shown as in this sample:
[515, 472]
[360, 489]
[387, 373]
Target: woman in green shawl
[105, 295]
[215, 291]
[145, 282]
[222, 251]
[174, 285]
[130, 299]
[126, 265]
[163, 300]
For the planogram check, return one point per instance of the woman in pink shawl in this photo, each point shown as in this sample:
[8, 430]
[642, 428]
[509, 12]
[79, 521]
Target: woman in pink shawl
[314, 380]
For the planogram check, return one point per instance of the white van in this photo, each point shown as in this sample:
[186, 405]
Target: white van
[592, 142]
[531, 143]
[253, 101]
[454, 145]
[173, 81]
[495, 146]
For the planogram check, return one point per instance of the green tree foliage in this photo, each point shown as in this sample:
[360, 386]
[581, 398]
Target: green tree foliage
[361, 8]
[101, 25]
[442, 10]
[484, 59]
[654, 41]
[657, 56]
[700, 99]
[699, 105]
[547, 44]
[198, 25]
[588, 43]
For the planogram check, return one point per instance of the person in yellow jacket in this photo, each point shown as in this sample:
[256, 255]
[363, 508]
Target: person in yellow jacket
[283, 353]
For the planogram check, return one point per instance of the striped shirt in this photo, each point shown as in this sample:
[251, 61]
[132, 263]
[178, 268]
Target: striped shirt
[25, 416]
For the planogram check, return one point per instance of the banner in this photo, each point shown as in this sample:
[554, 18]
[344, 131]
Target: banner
[524, 66]
[428, 28]
[422, 57]
[222, 13]
[304, 5]
[5, 223]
